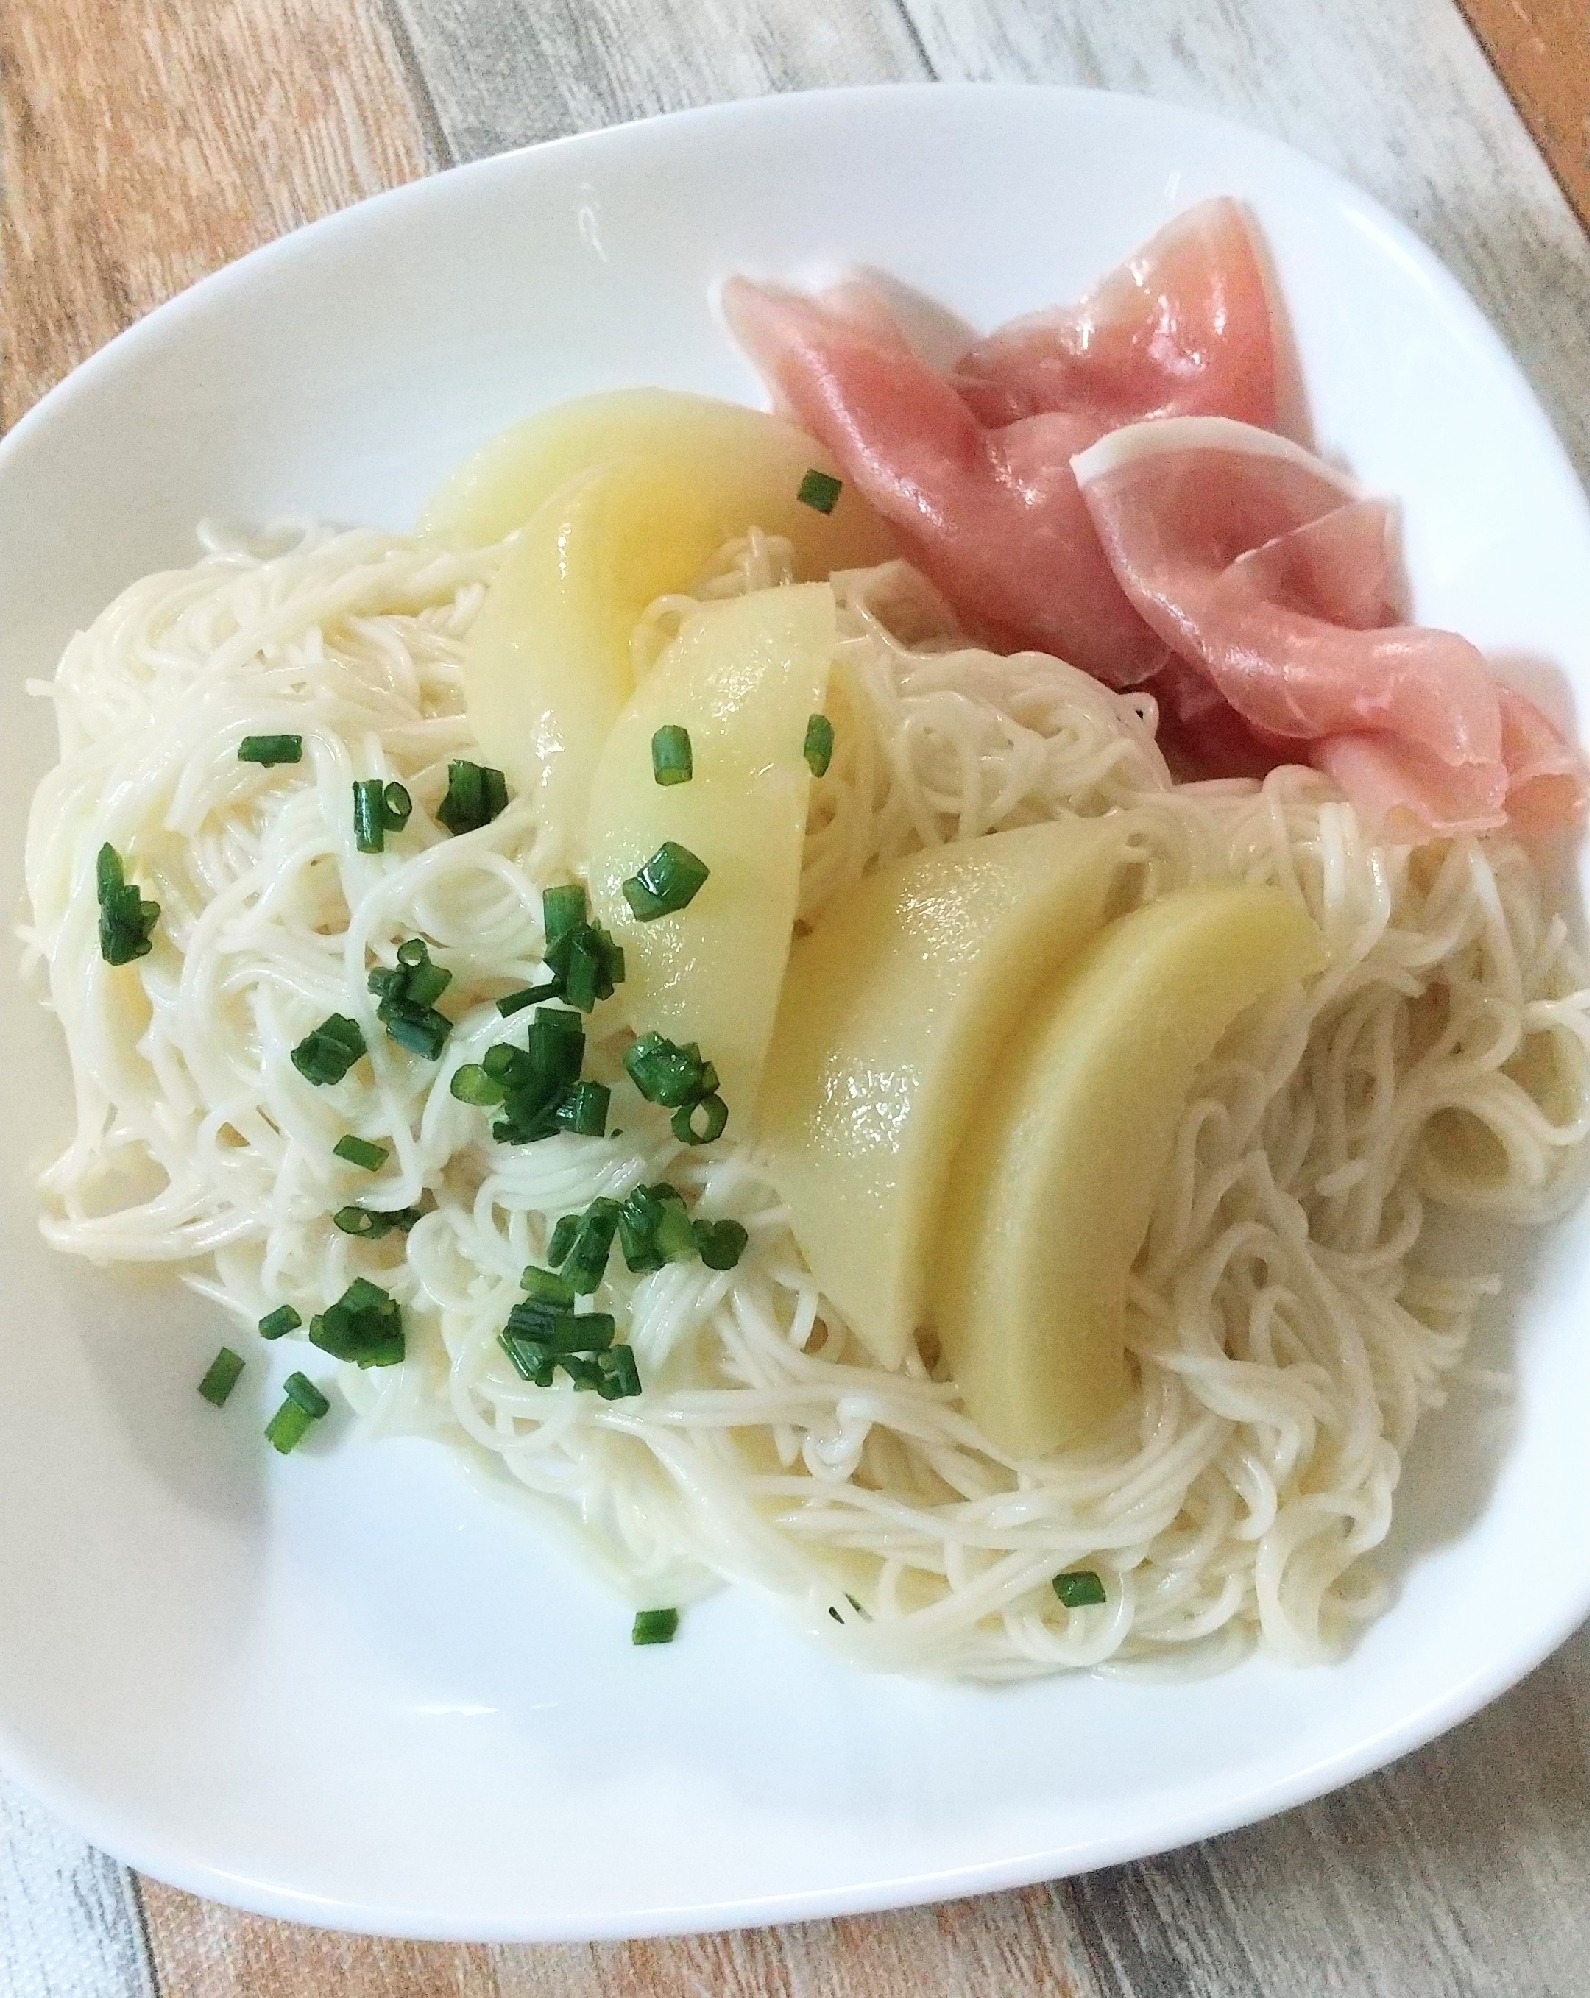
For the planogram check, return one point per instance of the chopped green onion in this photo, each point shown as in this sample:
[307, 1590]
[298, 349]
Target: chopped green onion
[658, 1626]
[471, 1084]
[330, 1050]
[671, 759]
[618, 1376]
[364, 1325]
[584, 1110]
[370, 1224]
[546, 1287]
[1079, 1589]
[397, 807]
[278, 1323]
[699, 1123]
[563, 1240]
[126, 920]
[820, 490]
[668, 1074]
[360, 1152]
[818, 748]
[673, 1235]
[561, 1331]
[475, 795]
[288, 1427]
[301, 1390]
[269, 749]
[222, 1376]
[529, 995]
[369, 820]
[720, 1244]
[665, 884]
[407, 995]
[562, 911]
[586, 1263]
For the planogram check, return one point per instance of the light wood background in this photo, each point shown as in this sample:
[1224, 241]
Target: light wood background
[147, 141]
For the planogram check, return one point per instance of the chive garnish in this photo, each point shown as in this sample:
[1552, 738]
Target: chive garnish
[562, 911]
[720, 1244]
[360, 1152]
[529, 995]
[655, 1626]
[407, 995]
[665, 884]
[475, 795]
[303, 1405]
[818, 748]
[371, 1224]
[278, 1323]
[269, 749]
[471, 1084]
[364, 1325]
[584, 1110]
[126, 920]
[547, 1287]
[221, 1376]
[377, 810]
[671, 759]
[327, 1053]
[1079, 1589]
[562, 1240]
[701, 1122]
[586, 1262]
[668, 1074]
[820, 490]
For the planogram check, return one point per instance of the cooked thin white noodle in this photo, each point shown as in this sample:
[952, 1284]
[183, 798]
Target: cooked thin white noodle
[1286, 1335]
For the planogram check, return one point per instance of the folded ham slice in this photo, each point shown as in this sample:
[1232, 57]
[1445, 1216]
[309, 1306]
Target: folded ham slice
[1272, 577]
[974, 470]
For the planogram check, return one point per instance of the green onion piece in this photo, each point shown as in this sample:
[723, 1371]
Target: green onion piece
[532, 1361]
[529, 995]
[471, 1084]
[370, 1224]
[278, 1323]
[668, 1074]
[546, 1287]
[126, 920]
[658, 1626]
[288, 1427]
[407, 994]
[617, 1375]
[671, 760]
[369, 815]
[674, 1236]
[222, 1376]
[667, 883]
[699, 1123]
[397, 807]
[562, 910]
[269, 749]
[1079, 1589]
[360, 1152]
[720, 1244]
[475, 795]
[637, 1229]
[586, 1262]
[584, 1110]
[326, 1054]
[364, 1325]
[301, 1390]
[818, 748]
[561, 1331]
[820, 490]
[563, 1240]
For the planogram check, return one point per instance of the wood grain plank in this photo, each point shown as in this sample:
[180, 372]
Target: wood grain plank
[144, 144]
[1541, 51]
[1394, 93]
[70, 1925]
[509, 72]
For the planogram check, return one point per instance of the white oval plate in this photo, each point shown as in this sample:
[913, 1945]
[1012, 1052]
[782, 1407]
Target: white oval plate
[350, 1688]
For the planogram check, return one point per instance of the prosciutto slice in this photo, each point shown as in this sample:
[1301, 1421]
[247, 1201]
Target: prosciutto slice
[1183, 328]
[1272, 579]
[974, 469]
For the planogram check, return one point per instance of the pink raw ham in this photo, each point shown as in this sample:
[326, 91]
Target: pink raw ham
[989, 509]
[1270, 574]
[1183, 328]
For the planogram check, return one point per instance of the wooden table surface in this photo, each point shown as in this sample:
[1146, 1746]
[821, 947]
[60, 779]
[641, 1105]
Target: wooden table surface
[148, 141]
